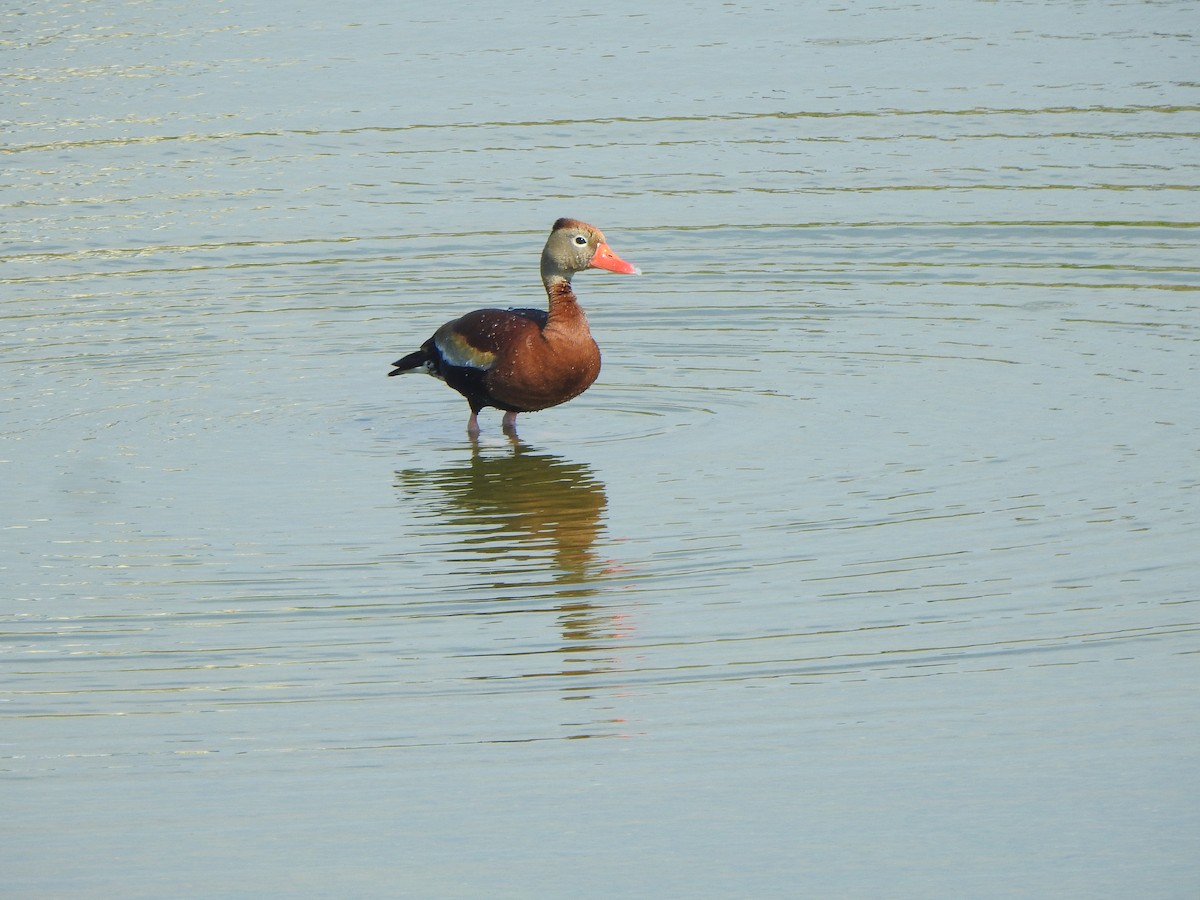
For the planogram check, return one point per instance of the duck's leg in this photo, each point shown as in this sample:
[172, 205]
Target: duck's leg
[509, 422]
[473, 424]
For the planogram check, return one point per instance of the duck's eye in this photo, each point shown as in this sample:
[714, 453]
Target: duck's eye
[580, 240]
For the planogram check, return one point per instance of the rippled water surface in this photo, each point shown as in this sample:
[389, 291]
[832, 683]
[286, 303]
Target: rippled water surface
[867, 568]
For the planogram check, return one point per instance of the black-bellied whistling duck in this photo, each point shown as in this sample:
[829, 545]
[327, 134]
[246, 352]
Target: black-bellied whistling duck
[522, 360]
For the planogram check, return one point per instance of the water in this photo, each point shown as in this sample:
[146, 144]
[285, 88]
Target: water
[866, 568]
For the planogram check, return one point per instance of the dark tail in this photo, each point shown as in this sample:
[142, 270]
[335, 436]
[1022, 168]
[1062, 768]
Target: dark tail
[415, 360]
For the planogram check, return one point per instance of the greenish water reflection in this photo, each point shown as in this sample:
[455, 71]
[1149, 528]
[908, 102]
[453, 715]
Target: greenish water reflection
[525, 525]
[517, 504]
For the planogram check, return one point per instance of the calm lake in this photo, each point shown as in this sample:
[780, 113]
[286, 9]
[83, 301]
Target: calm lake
[867, 568]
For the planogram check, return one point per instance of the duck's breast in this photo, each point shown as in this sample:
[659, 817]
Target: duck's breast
[544, 370]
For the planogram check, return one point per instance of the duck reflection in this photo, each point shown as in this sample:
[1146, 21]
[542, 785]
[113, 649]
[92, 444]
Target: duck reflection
[523, 512]
[525, 524]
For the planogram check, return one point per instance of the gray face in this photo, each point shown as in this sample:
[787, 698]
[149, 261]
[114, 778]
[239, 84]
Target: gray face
[570, 249]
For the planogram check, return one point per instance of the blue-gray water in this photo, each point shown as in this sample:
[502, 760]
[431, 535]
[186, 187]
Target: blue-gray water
[867, 568]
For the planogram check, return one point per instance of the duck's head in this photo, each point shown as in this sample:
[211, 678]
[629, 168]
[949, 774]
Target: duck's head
[574, 246]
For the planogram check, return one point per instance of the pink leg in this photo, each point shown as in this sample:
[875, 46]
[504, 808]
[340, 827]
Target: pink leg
[473, 425]
[509, 422]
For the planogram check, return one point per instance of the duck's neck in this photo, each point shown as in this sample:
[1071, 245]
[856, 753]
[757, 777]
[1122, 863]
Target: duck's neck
[564, 306]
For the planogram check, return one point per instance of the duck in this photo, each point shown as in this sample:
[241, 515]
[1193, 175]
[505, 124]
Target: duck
[523, 360]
